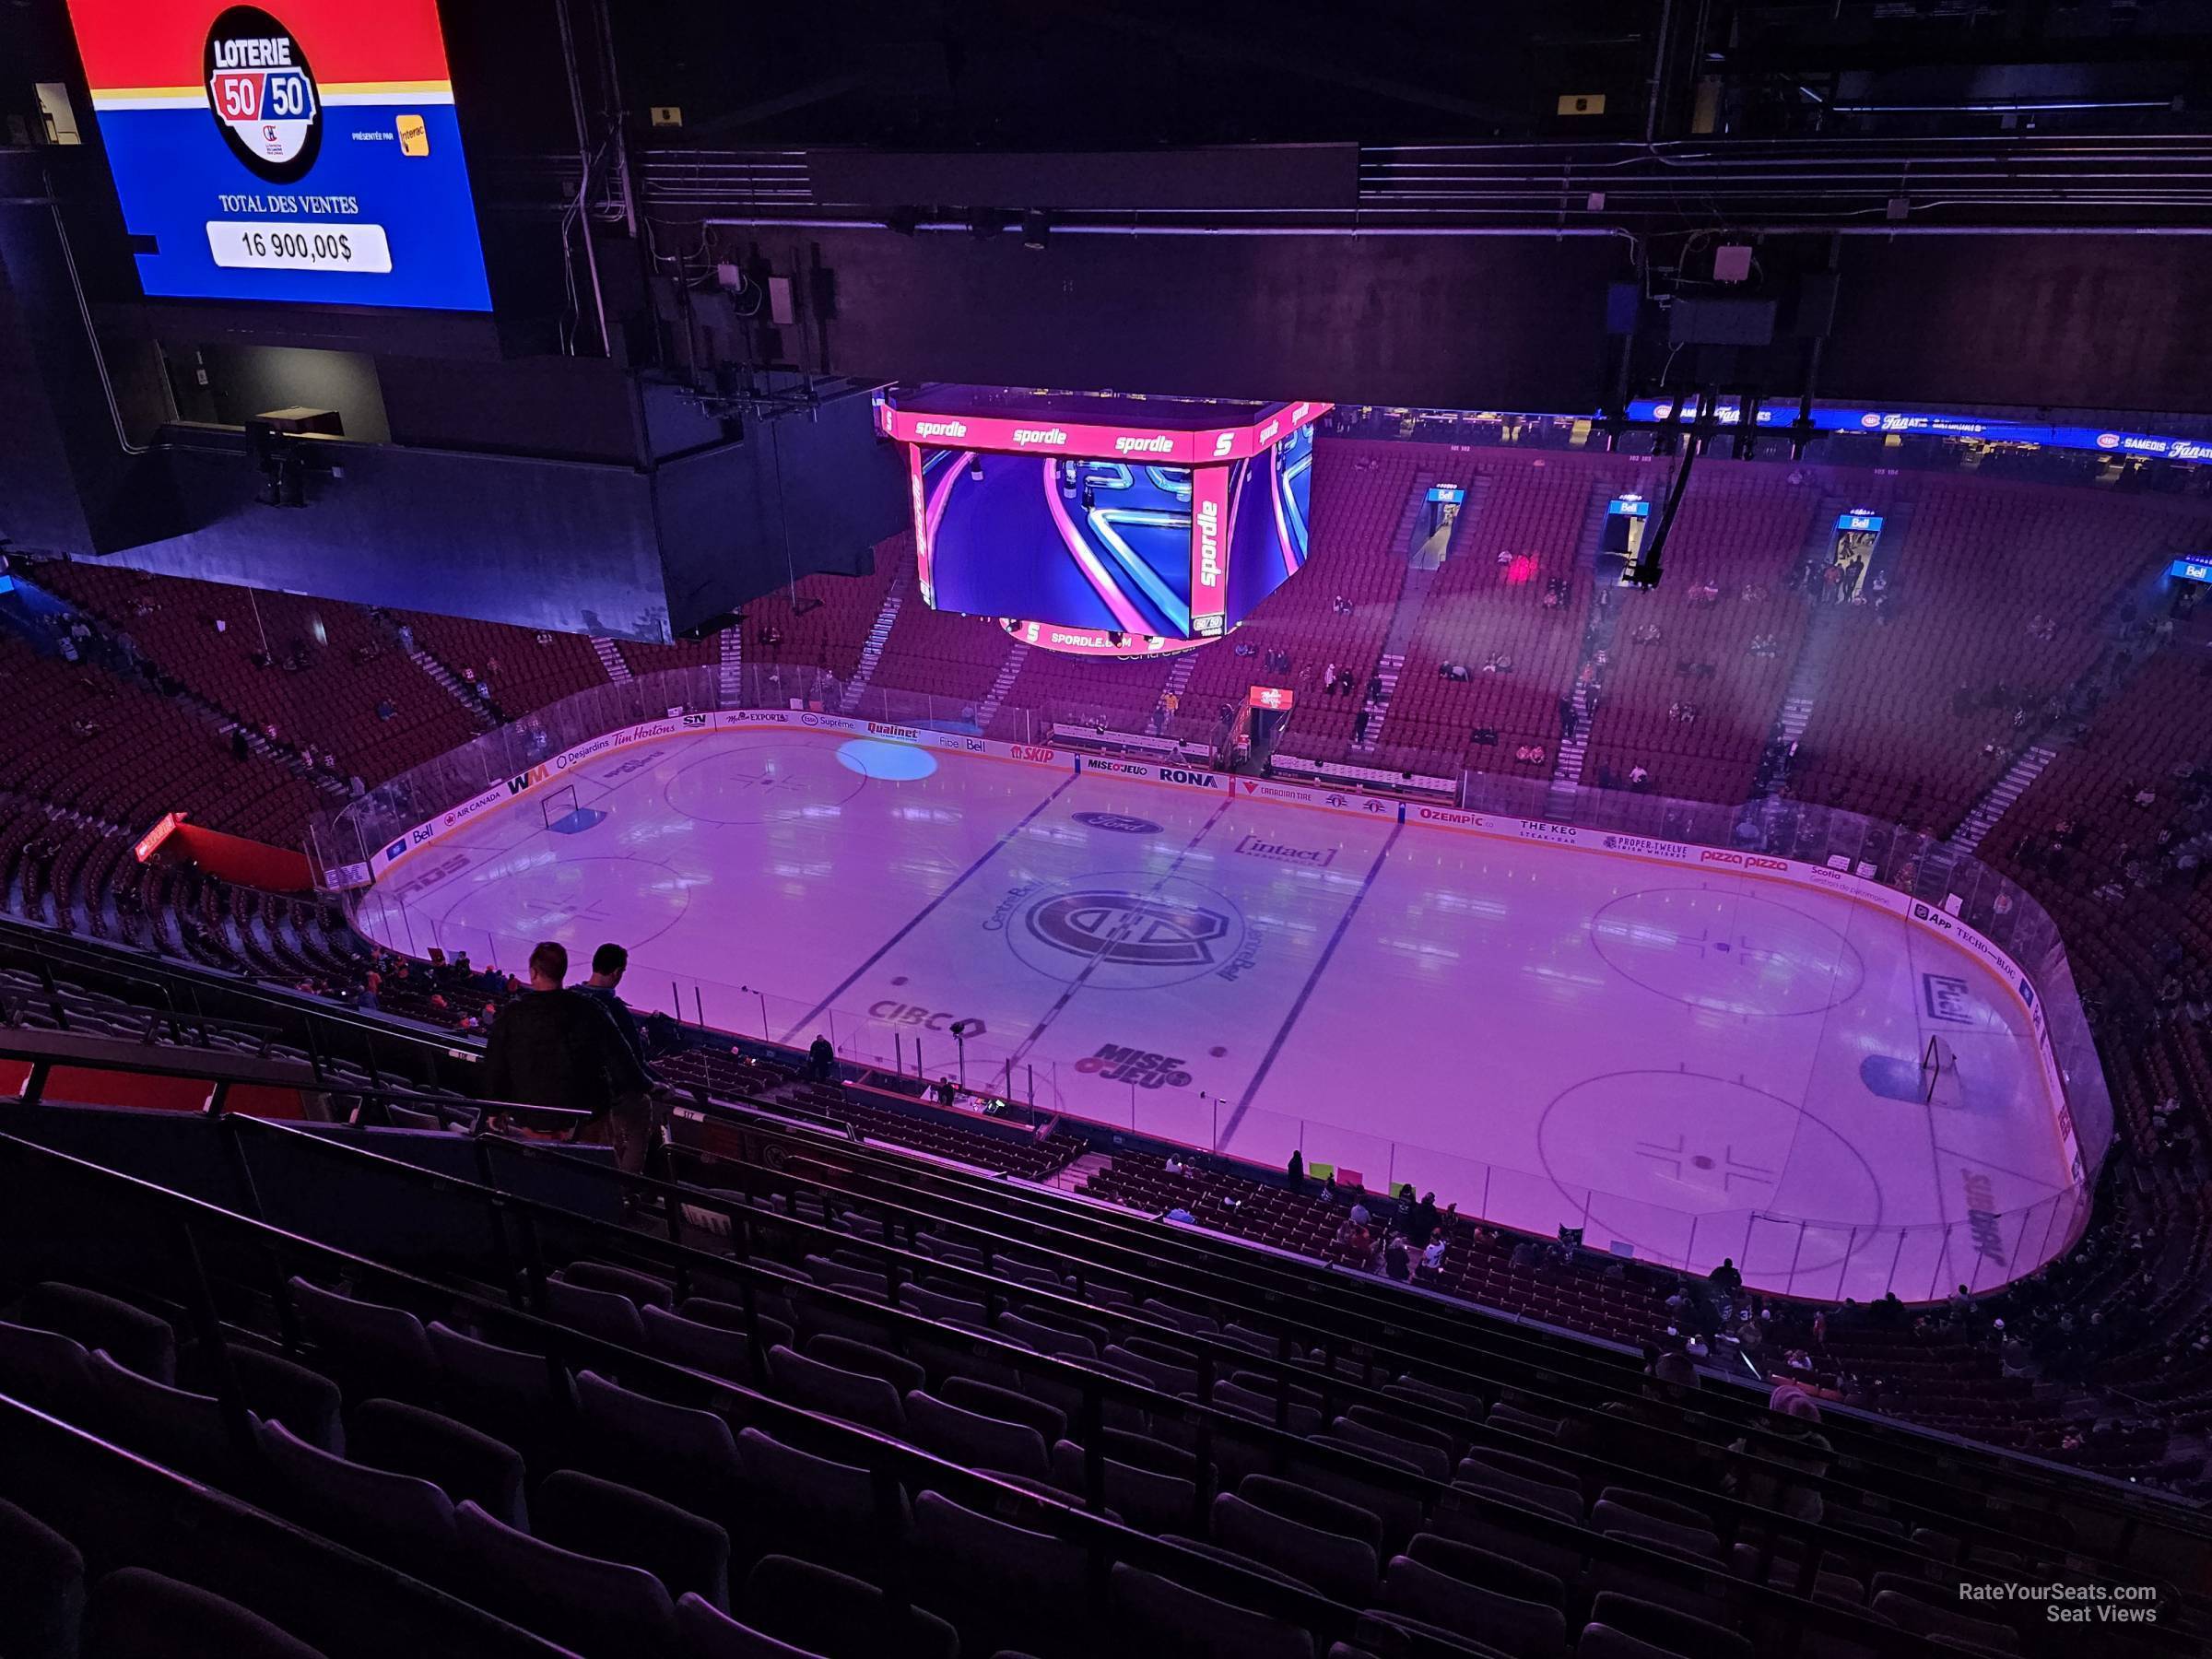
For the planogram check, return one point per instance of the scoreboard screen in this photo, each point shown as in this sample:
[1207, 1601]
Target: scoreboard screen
[307, 152]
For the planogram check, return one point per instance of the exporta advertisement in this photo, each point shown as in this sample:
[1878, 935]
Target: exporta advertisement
[306, 152]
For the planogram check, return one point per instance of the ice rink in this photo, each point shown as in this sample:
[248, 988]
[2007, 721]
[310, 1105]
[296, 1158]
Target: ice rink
[1693, 1064]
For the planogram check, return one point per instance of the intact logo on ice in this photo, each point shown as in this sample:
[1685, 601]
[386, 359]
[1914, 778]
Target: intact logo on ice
[1120, 823]
[1259, 846]
[1128, 928]
[1147, 1070]
[263, 94]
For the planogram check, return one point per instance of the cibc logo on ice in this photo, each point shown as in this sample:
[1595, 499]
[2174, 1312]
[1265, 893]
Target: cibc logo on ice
[930, 1020]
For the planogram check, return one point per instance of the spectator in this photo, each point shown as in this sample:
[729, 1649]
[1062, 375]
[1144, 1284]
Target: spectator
[1295, 1172]
[1354, 1245]
[1726, 1276]
[556, 1048]
[821, 1059]
[635, 1118]
[1421, 1220]
[1397, 1261]
[1432, 1257]
[1797, 1424]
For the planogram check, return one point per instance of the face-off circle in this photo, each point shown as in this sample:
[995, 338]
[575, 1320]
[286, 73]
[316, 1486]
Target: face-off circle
[263, 94]
[761, 783]
[1652, 1153]
[1727, 952]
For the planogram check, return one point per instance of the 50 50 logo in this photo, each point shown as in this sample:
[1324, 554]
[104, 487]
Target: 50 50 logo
[263, 94]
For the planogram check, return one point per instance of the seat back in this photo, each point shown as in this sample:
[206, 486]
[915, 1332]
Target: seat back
[466, 1463]
[815, 1608]
[578, 1600]
[1162, 1619]
[1333, 1564]
[134, 1614]
[399, 1517]
[967, 1437]
[138, 1340]
[689, 1555]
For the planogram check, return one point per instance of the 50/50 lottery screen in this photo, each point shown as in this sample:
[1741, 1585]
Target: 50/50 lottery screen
[308, 151]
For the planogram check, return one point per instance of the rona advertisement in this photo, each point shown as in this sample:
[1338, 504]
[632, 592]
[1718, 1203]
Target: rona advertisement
[307, 151]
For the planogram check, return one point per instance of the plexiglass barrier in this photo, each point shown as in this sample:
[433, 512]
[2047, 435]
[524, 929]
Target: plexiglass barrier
[1789, 1255]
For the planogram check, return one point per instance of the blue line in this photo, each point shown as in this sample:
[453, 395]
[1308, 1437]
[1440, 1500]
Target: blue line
[1283, 1032]
[922, 916]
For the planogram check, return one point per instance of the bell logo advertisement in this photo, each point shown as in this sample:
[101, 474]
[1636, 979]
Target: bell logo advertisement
[307, 152]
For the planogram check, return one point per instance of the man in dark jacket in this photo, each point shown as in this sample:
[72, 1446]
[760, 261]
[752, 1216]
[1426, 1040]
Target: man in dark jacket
[635, 1120]
[552, 1047]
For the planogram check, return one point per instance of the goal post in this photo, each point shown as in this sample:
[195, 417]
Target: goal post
[1938, 1060]
[558, 804]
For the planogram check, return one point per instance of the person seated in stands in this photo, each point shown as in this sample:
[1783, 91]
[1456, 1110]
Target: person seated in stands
[1797, 1422]
[946, 1091]
[1354, 1245]
[384, 709]
[556, 1048]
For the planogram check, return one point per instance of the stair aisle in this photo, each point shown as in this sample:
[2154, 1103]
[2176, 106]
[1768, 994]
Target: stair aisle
[611, 660]
[871, 650]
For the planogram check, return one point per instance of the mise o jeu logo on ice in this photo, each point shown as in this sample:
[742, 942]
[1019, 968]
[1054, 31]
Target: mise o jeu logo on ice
[262, 93]
[1116, 1063]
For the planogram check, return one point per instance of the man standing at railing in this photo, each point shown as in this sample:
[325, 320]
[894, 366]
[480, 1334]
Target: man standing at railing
[635, 1119]
[554, 1047]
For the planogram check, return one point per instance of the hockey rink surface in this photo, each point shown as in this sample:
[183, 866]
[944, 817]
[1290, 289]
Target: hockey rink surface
[1692, 1062]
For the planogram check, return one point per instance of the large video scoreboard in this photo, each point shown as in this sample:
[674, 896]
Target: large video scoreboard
[306, 152]
[1101, 525]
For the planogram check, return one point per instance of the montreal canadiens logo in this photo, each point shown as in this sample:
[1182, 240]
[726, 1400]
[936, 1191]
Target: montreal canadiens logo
[1128, 929]
[263, 94]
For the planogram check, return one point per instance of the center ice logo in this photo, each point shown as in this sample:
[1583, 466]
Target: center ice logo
[262, 94]
[1128, 928]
